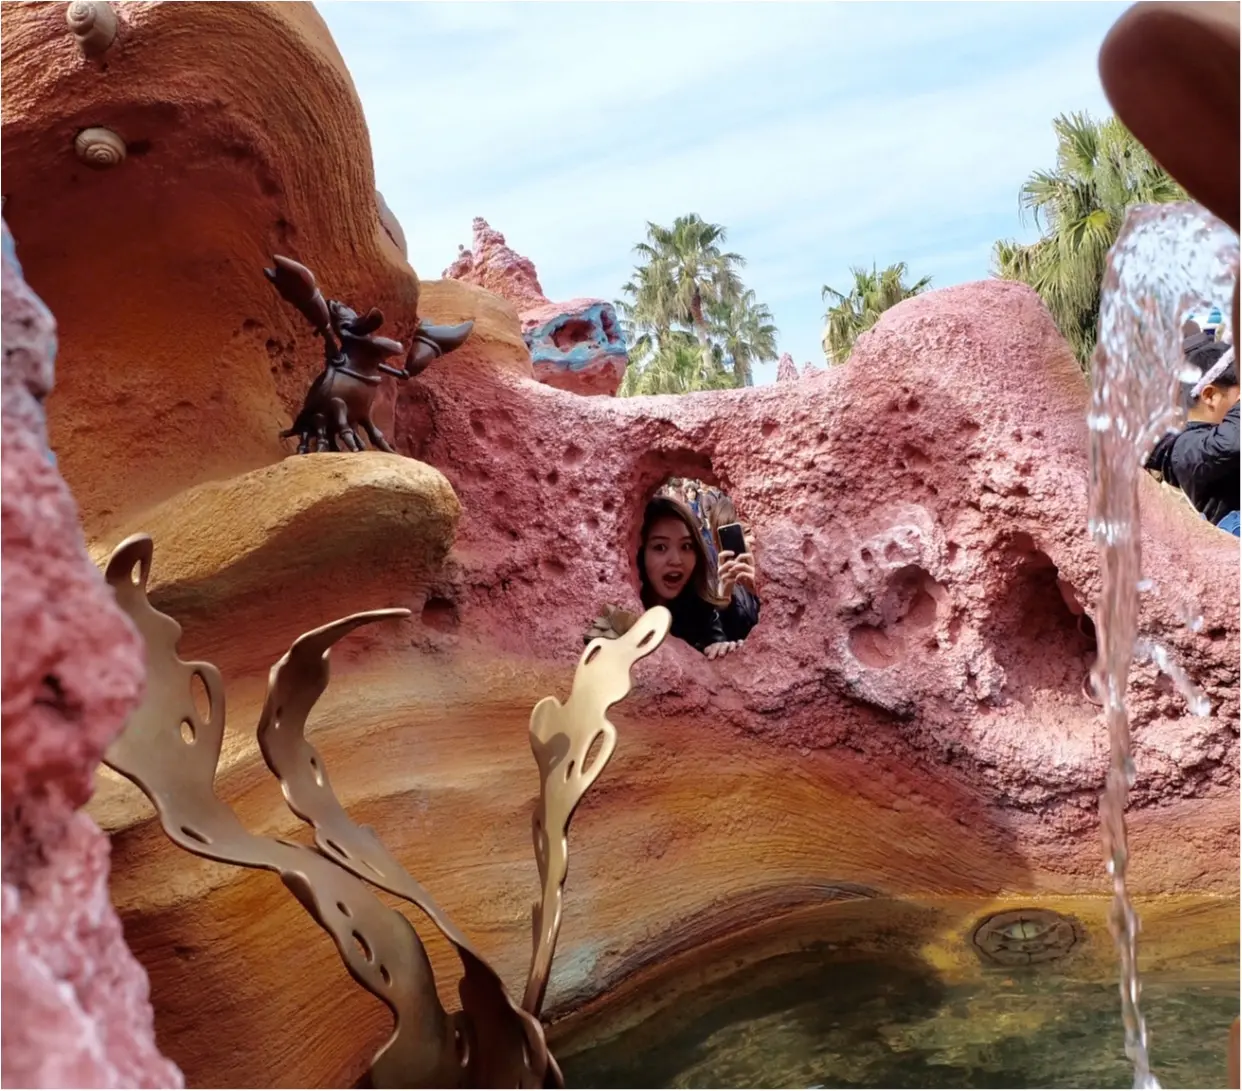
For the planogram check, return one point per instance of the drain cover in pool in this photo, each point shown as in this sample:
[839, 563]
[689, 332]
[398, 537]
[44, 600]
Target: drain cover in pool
[1021, 937]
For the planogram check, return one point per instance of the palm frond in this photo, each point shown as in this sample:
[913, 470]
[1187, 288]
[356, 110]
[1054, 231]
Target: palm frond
[1079, 206]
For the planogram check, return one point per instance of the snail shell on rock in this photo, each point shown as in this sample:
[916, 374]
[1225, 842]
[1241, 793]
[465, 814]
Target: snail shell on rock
[99, 148]
[93, 23]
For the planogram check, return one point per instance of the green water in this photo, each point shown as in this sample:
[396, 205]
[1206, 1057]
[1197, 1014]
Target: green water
[805, 1020]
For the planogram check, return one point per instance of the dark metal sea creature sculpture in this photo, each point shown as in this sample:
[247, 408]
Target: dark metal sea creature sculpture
[170, 750]
[340, 399]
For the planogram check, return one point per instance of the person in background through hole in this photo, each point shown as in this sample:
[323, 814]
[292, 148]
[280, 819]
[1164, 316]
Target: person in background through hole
[1202, 460]
[675, 571]
[736, 568]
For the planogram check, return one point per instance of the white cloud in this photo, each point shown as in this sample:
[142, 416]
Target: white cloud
[822, 135]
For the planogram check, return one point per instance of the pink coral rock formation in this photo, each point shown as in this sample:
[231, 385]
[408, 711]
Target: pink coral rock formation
[492, 264]
[913, 541]
[75, 1006]
[810, 370]
[576, 345]
[786, 369]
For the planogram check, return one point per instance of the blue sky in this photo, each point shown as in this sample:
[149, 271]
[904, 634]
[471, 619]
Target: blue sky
[822, 135]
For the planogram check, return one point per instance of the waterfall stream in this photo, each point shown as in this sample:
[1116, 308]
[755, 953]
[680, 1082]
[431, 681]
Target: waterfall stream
[1168, 261]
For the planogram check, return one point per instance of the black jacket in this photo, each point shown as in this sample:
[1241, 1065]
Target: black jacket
[1202, 461]
[701, 625]
[695, 621]
[741, 615]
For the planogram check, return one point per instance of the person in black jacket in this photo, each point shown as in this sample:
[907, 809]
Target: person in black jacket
[1202, 460]
[675, 571]
[737, 576]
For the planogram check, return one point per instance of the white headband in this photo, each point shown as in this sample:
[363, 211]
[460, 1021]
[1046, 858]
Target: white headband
[1213, 373]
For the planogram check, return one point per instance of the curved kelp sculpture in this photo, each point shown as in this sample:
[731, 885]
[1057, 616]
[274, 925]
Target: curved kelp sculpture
[563, 739]
[170, 750]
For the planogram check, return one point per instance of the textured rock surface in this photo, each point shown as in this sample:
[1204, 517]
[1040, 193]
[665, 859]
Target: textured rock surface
[922, 593]
[75, 1007]
[786, 369]
[907, 719]
[492, 264]
[576, 346]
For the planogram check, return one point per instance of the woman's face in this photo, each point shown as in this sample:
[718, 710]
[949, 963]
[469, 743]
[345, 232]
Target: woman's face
[668, 557]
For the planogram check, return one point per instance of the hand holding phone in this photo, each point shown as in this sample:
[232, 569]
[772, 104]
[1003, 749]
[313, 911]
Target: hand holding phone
[736, 565]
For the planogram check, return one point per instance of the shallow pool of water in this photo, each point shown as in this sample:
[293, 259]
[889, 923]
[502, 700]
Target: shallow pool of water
[874, 1015]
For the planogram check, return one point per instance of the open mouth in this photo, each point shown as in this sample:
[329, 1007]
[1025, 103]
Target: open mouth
[673, 581]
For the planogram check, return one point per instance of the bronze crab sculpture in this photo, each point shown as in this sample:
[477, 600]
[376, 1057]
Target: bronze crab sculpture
[339, 402]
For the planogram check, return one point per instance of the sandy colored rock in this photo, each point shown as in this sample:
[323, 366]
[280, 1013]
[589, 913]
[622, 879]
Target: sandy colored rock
[178, 362]
[293, 540]
[495, 345]
[74, 1001]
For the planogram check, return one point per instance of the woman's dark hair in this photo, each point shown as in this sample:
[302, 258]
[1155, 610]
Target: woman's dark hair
[703, 582]
[1202, 356]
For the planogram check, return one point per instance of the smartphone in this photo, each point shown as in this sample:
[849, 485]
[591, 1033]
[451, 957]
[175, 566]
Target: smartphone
[732, 539]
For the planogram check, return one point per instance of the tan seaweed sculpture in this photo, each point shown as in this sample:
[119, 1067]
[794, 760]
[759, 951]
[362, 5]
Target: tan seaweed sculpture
[170, 751]
[563, 738]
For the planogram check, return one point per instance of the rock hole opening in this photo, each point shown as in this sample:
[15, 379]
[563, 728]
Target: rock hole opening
[573, 332]
[608, 320]
[682, 526]
[1039, 629]
[441, 614]
[901, 620]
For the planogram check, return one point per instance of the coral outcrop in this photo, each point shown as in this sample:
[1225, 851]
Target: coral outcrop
[907, 721]
[75, 1004]
[786, 369]
[492, 264]
[576, 346]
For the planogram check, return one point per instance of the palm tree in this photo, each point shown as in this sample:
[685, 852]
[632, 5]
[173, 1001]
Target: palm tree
[1079, 206]
[675, 367]
[685, 272]
[856, 311]
[687, 290]
[744, 333]
[641, 315]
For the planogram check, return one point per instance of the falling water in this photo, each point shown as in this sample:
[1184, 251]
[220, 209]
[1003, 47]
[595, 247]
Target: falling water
[1168, 261]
